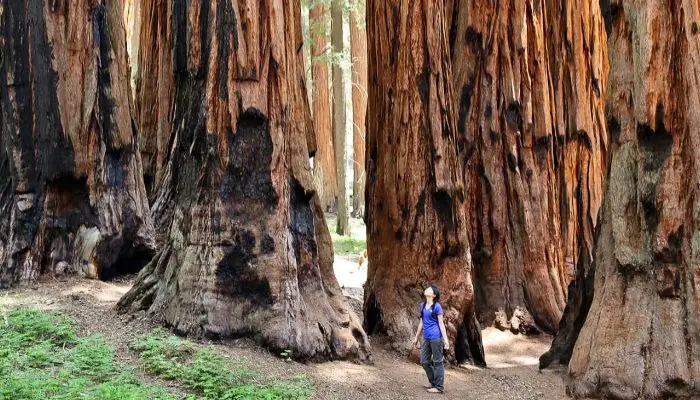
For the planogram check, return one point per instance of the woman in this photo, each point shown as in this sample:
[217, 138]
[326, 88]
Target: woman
[432, 324]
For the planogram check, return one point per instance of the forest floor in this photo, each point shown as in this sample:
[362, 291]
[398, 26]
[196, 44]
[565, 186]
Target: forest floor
[512, 371]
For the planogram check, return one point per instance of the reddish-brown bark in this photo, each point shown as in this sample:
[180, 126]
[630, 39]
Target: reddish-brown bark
[358, 46]
[154, 88]
[324, 161]
[245, 248]
[641, 337]
[417, 225]
[71, 192]
[530, 83]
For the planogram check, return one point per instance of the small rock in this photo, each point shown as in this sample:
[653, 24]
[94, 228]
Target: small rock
[48, 302]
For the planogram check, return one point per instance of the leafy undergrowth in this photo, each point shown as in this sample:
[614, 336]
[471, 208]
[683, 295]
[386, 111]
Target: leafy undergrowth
[42, 357]
[207, 373]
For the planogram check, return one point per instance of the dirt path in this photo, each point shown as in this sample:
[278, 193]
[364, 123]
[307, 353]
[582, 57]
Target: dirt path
[512, 372]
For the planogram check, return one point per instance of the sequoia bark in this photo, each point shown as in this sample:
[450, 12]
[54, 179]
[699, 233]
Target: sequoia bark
[530, 80]
[324, 162]
[415, 192]
[245, 250]
[358, 46]
[71, 191]
[641, 337]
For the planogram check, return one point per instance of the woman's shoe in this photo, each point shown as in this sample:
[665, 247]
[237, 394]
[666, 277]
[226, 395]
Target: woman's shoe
[428, 386]
[434, 390]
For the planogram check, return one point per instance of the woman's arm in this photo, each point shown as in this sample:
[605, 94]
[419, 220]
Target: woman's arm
[416, 340]
[441, 322]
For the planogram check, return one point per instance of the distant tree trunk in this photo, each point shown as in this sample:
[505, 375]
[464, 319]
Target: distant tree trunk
[530, 82]
[154, 89]
[132, 24]
[641, 336]
[247, 251]
[324, 162]
[339, 131]
[71, 192]
[358, 46]
[415, 196]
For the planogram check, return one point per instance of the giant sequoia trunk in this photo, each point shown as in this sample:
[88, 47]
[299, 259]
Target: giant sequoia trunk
[246, 250]
[530, 81]
[71, 192]
[358, 46]
[324, 161]
[415, 197]
[154, 87]
[641, 337]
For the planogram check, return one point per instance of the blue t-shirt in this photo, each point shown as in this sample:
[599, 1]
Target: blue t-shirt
[431, 327]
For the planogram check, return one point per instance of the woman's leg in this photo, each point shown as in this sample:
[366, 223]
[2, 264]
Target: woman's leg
[426, 355]
[438, 364]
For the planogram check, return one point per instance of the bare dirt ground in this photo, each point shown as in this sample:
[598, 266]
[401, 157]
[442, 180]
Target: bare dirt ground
[512, 372]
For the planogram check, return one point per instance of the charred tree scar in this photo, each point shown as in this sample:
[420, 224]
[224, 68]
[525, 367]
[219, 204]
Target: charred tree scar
[250, 155]
[424, 85]
[267, 244]
[236, 275]
[115, 161]
[596, 87]
[610, 13]
[614, 129]
[465, 100]
[513, 115]
[655, 148]
[583, 136]
[474, 39]
[443, 206]
[542, 145]
[301, 222]
[225, 28]
[488, 111]
[395, 25]
[105, 99]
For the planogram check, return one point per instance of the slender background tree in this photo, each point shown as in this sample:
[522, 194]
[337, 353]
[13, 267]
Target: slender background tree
[324, 161]
[358, 46]
[339, 119]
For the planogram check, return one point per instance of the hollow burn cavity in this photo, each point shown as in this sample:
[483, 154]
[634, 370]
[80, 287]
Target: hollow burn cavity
[250, 154]
[131, 261]
[373, 323]
[303, 235]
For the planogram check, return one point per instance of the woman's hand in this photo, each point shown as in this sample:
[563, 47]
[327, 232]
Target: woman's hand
[446, 344]
[416, 343]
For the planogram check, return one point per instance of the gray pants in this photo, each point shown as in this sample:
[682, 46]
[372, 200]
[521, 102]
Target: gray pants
[433, 361]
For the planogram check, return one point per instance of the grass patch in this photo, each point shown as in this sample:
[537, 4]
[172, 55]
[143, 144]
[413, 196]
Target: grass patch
[209, 374]
[347, 245]
[42, 357]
